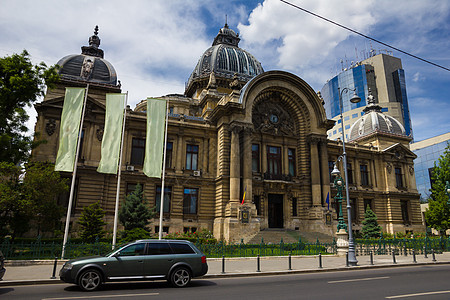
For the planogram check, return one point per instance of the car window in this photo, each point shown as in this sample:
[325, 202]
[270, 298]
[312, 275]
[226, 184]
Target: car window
[180, 248]
[158, 249]
[133, 250]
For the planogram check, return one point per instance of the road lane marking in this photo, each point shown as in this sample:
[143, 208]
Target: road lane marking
[103, 296]
[418, 294]
[359, 279]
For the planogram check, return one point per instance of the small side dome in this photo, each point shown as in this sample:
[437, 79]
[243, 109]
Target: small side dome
[374, 120]
[89, 65]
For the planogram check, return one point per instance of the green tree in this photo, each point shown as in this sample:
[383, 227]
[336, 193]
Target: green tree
[21, 83]
[134, 212]
[29, 196]
[437, 215]
[370, 229]
[91, 222]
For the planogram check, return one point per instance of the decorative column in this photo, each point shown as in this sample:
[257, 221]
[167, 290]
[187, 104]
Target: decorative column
[179, 157]
[235, 163]
[325, 172]
[247, 165]
[315, 173]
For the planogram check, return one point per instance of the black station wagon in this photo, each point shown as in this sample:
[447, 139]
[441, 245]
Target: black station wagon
[174, 260]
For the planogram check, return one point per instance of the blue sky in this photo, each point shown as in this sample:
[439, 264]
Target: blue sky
[155, 45]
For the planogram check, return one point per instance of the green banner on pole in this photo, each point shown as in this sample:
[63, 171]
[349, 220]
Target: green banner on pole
[154, 144]
[69, 129]
[112, 134]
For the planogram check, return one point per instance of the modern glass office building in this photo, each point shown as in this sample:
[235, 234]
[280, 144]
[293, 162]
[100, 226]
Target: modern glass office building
[428, 152]
[384, 76]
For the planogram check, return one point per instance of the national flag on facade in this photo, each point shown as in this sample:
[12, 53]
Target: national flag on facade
[112, 135]
[328, 200]
[154, 143]
[69, 129]
[243, 196]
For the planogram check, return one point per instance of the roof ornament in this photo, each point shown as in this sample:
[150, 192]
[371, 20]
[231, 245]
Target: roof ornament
[371, 104]
[93, 48]
[235, 84]
[212, 81]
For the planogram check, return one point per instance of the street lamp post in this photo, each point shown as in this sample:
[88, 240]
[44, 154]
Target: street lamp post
[351, 244]
[447, 190]
[339, 184]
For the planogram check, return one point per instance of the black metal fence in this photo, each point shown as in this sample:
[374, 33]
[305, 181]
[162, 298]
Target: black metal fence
[402, 246]
[49, 250]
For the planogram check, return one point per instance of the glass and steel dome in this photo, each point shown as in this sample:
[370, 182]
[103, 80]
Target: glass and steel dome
[374, 120]
[89, 65]
[226, 59]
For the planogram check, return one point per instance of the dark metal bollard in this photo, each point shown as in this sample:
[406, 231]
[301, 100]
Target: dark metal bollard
[414, 256]
[320, 260]
[54, 268]
[223, 264]
[433, 254]
[393, 257]
[425, 252]
[346, 260]
[290, 262]
[258, 269]
[371, 258]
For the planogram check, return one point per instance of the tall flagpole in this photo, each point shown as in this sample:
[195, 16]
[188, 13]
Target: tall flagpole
[161, 208]
[116, 210]
[74, 174]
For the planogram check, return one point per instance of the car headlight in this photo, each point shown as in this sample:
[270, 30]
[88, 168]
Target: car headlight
[67, 266]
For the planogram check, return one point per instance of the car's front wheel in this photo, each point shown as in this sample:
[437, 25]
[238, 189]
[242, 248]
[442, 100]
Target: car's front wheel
[90, 280]
[180, 277]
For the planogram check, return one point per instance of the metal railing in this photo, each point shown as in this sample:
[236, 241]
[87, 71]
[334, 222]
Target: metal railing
[48, 250]
[267, 249]
[383, 246]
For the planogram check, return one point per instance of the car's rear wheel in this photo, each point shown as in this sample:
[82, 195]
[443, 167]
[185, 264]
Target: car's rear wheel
[180, 277]
[90, 280]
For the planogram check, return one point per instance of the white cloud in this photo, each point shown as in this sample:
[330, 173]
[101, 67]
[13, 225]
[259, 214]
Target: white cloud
[154, 45]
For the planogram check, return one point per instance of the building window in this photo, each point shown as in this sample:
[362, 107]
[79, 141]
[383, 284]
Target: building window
[330, 169]
[190, 200]
[167, 196]
[291, 158]
[399, 177]
[368, 203]
[255, 158]
[137, 151]
[80, 153]
[364, 175]
[131, 187]
[257, 202]
[405, 212]
[274, 160]
[169, 151]
[354, 210]
[350, 173]
[294, 207]
[191, 157]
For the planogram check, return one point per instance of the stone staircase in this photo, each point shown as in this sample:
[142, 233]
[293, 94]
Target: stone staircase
[274, 236]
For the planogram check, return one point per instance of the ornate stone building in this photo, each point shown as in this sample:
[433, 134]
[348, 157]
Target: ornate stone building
[237, 130]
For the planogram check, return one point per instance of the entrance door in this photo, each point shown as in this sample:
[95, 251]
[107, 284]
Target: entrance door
[275, 211]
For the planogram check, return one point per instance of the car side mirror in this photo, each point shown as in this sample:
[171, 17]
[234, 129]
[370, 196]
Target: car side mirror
[117, 254]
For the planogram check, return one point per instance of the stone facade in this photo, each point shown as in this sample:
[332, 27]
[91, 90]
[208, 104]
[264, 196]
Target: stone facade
[227, 136]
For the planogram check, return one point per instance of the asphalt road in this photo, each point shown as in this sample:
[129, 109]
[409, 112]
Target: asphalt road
[418, 282]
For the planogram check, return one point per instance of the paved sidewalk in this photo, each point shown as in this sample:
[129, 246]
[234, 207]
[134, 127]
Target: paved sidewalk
[39, 272]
